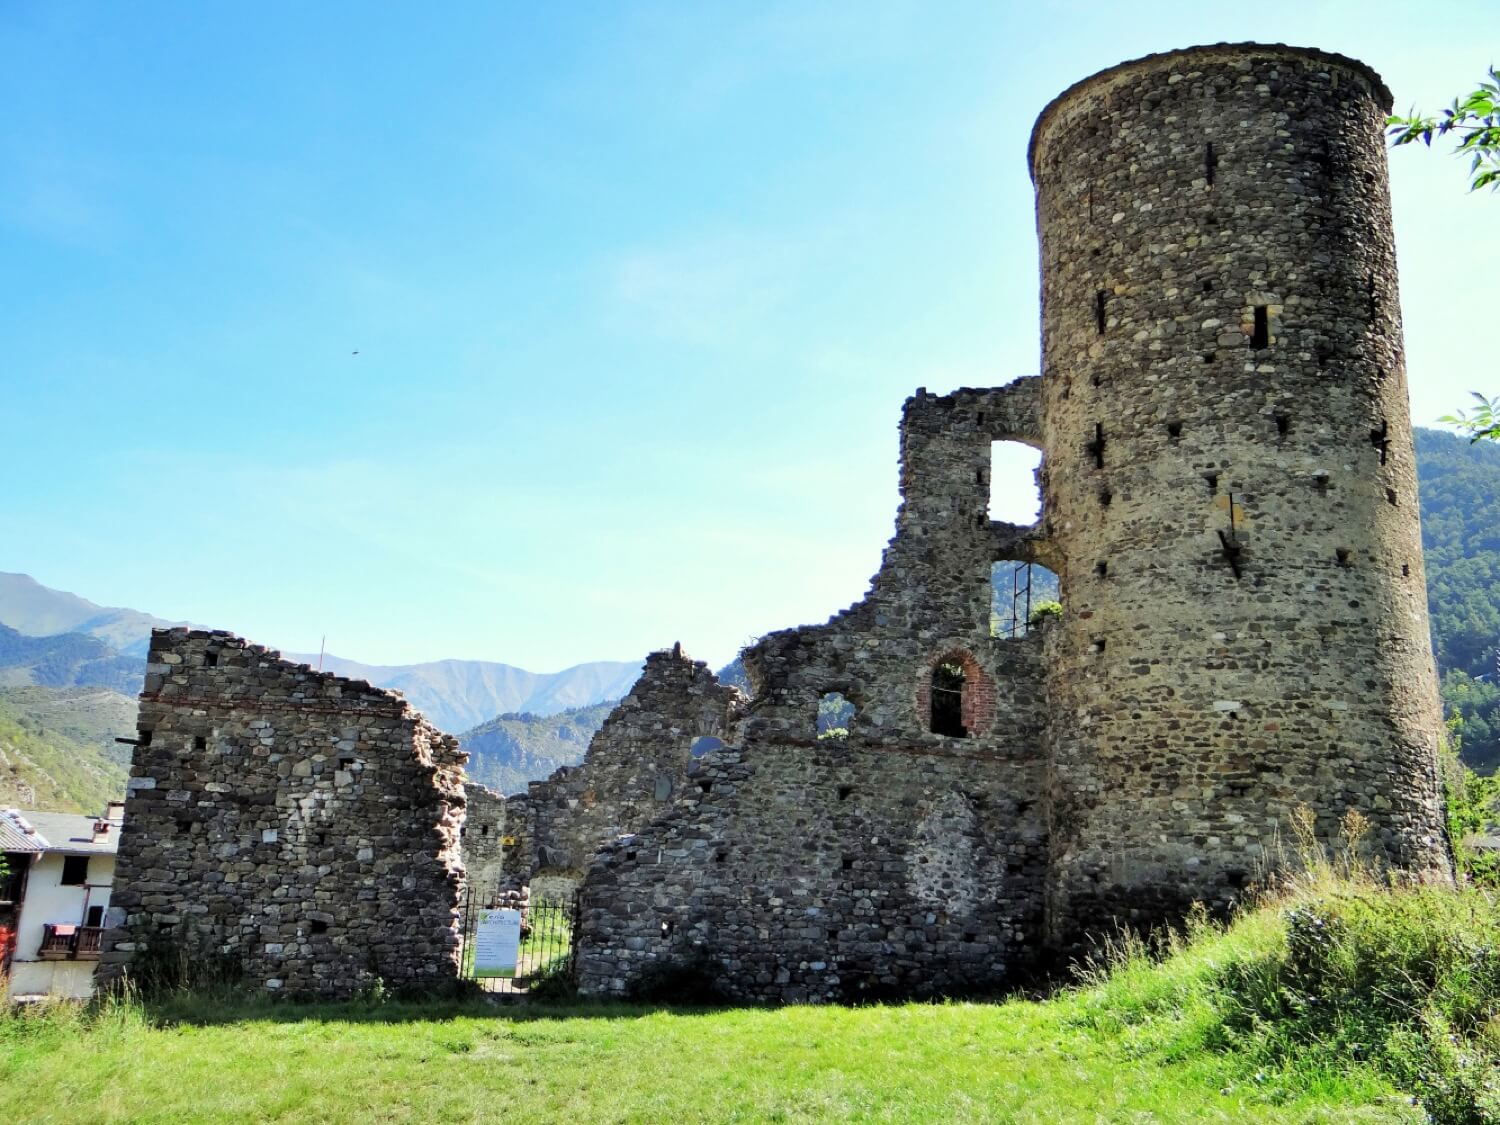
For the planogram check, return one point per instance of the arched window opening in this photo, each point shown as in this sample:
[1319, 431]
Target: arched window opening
[706, 744]
[1022, 595]
[948, 683]
[835, 713]
[1015, 494]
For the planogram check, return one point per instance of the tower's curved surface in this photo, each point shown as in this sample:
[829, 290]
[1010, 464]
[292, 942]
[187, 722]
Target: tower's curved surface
[1229, 481]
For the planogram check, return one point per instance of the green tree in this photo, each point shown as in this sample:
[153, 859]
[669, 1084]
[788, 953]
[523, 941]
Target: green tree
[1470, 803]
[1475, 121]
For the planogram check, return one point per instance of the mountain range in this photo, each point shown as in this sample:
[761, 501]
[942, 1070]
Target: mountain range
[56, 639]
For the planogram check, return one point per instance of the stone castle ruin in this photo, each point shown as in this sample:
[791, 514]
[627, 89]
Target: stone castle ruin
[1228, 500]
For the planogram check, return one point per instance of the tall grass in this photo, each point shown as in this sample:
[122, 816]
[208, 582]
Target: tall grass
[1335, 967]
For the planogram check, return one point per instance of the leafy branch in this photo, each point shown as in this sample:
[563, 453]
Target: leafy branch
[1475, 121]
[1483, 421]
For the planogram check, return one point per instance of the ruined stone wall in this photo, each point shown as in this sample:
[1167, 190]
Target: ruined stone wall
[1229, 501]
[1230, 481]
[483, 836]
[636, 764]
[301, 826]
[893, 861]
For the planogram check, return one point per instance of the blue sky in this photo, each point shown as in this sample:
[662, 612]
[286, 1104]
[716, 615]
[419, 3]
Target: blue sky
[637, 291]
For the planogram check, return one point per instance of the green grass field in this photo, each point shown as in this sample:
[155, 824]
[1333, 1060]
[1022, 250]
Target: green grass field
[1342, 1002]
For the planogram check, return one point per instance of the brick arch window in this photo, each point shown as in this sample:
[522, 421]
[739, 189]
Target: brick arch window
[955, 697]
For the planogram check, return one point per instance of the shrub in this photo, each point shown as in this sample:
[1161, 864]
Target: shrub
[1042, 611]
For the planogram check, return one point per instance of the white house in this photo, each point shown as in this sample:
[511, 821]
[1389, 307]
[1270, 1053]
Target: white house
[52, 902]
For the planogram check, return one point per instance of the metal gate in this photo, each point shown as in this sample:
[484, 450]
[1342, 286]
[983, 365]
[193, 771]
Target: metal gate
[544, 953]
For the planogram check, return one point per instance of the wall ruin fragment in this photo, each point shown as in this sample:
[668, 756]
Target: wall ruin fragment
[298, 829]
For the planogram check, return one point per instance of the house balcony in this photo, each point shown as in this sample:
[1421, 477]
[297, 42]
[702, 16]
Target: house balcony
[62, 942]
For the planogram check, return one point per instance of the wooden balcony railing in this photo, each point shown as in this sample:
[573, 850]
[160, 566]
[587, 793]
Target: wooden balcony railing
[70, 943]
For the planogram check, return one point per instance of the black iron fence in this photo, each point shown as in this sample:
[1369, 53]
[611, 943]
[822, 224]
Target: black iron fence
[514, 945]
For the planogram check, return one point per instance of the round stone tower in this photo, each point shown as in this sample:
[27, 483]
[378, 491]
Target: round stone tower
[1229, 481]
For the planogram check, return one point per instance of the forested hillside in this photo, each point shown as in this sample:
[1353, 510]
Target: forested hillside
[66, 660]
[1460, 491]
[510, 750]
[57, 748]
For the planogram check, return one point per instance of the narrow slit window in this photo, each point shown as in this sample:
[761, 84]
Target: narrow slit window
[1260, 336]
[1100, 297]
[1210, 164]
[1095, 448]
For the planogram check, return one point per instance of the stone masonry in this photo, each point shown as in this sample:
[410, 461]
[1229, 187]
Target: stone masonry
[298, 827]
[1229, 502]
[635, 765]
[483, 835]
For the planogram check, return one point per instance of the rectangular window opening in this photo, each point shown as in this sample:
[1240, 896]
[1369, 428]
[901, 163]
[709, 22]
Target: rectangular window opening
[199, 742]
[1101, 570]
[1283, 425]
[1100, 297]
[1260, 337]
[75, 872]
[1210, 163]
[210, 660]
[317, 927]
[845, 791]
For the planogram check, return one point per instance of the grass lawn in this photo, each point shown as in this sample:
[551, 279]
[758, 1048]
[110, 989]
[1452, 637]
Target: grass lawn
[1136, 1048]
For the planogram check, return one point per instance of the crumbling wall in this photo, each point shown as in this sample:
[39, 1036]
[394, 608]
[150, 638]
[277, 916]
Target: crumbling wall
[1229, 502]
[636, 764]
[300, 828]
[483, 836]
[894, 860]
